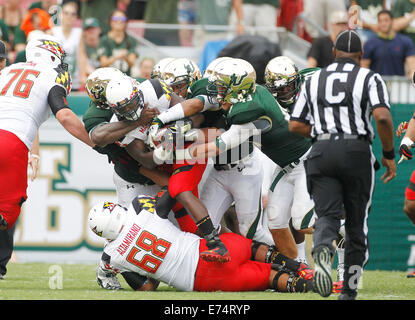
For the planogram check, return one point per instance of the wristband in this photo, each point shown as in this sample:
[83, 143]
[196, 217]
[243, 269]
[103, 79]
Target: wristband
[174, 113]
[35, 156]
[390, 155]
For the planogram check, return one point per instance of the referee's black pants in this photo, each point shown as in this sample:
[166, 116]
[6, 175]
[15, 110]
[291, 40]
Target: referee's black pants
[340, 174]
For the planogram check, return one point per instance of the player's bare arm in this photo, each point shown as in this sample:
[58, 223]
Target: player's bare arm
[67, 118]
[138, 150]
[107, 133]
[231, 138]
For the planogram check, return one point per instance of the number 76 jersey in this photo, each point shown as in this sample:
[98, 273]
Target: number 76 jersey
[155, 248]
[24, 92]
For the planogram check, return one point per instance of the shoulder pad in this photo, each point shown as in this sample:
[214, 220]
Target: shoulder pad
[63, 78]
[161, 88]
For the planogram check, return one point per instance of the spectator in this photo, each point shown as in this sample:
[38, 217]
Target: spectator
[50, 6]
[320, 54]
[135, 10]
[367, 11]
[388, 51]
[168, 15]
[117, 48]
[186, 15]
[97, 9]
[70, 37]
[320, 11]
[12, 15]
[404, 17]
[89, 59]
[145, 68]
[217, 12]
[36, 19]
[258, 13]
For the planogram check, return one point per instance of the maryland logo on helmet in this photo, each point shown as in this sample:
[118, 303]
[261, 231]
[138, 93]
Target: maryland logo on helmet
[53, 47]
[147, 203]
[64, 79]
[109, 205]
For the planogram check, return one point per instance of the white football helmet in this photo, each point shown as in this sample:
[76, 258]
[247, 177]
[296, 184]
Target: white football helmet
[124, 97]
[211, 66]
[180, 74]
[282, 80]
[46, 49]
[96, 84]
[234, 79]
[159, 67]
[107, 219]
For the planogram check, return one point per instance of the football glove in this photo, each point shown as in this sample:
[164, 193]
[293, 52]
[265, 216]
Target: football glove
[404, 149]
[402, 127]
[152, 132]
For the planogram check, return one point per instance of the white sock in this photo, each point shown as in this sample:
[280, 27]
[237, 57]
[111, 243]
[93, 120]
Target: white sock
[302, 256]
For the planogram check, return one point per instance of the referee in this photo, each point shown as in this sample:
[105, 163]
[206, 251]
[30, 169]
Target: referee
[335, 109]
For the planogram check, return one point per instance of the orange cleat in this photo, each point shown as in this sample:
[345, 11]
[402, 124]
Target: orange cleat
[411, 274]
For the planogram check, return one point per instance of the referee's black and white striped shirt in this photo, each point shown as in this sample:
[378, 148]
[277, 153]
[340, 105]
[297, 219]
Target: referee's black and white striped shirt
[340, 99]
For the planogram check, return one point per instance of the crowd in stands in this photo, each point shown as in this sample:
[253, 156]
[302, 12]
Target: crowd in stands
[96, 35]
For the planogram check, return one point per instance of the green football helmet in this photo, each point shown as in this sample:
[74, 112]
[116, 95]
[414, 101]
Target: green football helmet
[234, 80]
[96, 85]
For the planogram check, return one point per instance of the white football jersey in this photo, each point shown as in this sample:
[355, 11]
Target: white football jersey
[24, 89]
[157, 95]
[155, 248]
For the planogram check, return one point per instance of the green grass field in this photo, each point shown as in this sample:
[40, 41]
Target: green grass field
[37, 281]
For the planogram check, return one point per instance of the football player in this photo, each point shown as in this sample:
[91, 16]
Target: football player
[180, 74]
[407, 143]
[283, 80]
[146, 245]
[235, 181]
[29, 93]
[130, 177]
[252, 110]
[126, 99]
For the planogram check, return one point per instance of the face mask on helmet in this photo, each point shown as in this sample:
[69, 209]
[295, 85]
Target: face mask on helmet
[124, 98]
[107, 219]
[46, 49]
[96, 85]
[180, 74]
[282, 80]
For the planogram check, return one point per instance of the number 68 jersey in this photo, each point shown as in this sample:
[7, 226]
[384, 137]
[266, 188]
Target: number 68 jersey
[155, 248]
[24, 94]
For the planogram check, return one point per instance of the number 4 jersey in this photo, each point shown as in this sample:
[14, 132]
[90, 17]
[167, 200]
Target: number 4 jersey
[25, 97]
[155, 248]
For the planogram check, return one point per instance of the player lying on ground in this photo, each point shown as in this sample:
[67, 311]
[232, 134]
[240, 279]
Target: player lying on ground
[145, 245]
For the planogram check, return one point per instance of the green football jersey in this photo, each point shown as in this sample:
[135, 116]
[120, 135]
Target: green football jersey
[124, 165]
[215, 116]
[278, 143]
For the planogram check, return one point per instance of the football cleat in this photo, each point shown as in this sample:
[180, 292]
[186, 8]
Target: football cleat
[217, 254]
[337, 287]
[411, 274]
[108, 280]
[322, 281]
[305, 272]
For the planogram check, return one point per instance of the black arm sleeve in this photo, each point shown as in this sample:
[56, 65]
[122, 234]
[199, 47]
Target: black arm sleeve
[57, 99]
